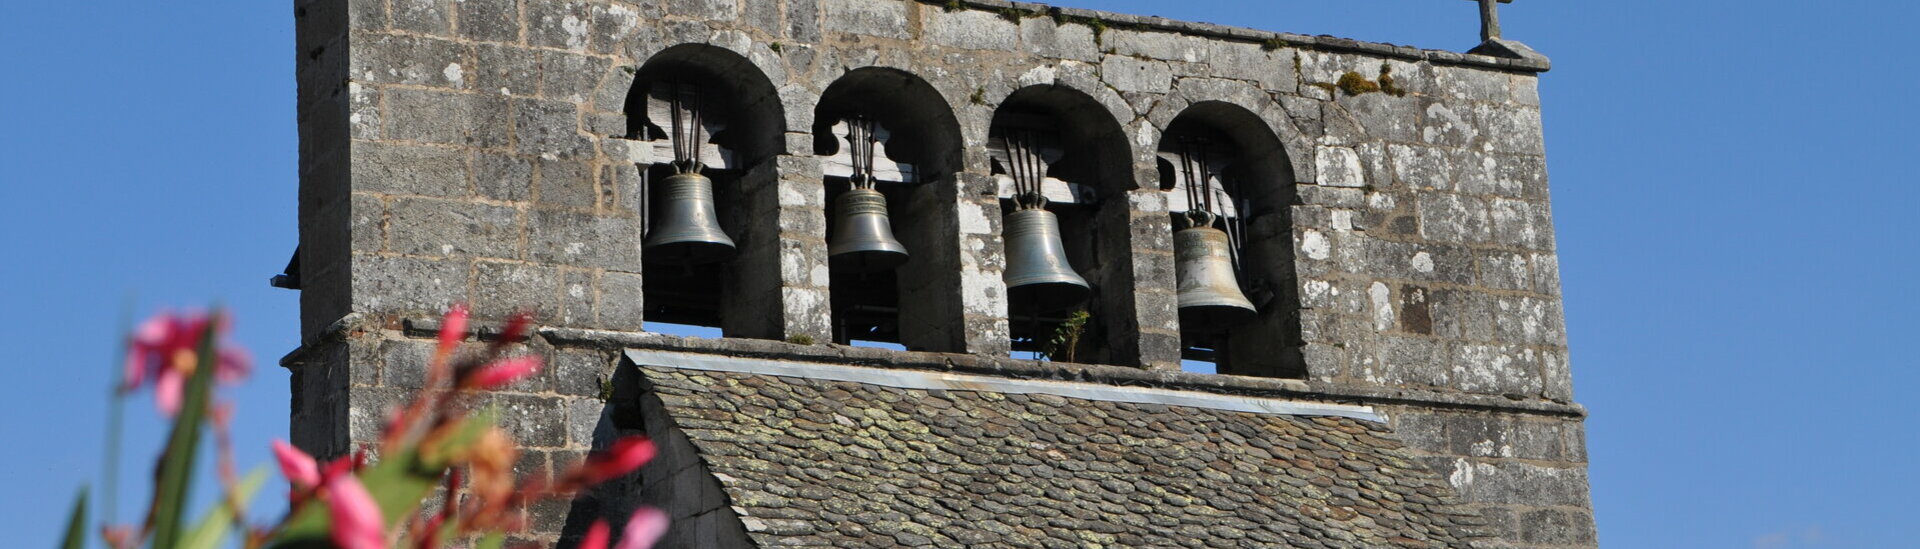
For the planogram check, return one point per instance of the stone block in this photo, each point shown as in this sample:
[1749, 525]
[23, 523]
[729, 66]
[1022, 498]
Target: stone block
[506, 70]
[615, 24]
[707, 10]
[1161, 45]
[1505, 436]
[367, 411]
[490, 20]
[577, 294]
[585, 418]
[1339, 167]
[581, 373]
[366, 14]
[1447, 126]
[532, 421]
[1529, 320]
[1043, 37]
[368, 223]
[1510, 129]
[562, 24]
[405, 284]
[503, 288]
[544, 127]
[389, 168]
[1464, 315]
[621, 299]
[1504, 270]
[1453, 218]
[567, 183]
[883, 19]
[1471, 84]
[404, 362]
[478, 120]
[1546, 273]
[419, 61]
[1557, 379]
[1495, 369]
[503, 177]
[1514, 224]
[1272, 69]
[584, 240]
[1563, 526]
[1130, 74]
[971, 29]
[571, 77]
[803, 20]
[1404, 362]
[432, 227]
[1384, 116]
[423, 16]
[363, 115]
[1524, 484]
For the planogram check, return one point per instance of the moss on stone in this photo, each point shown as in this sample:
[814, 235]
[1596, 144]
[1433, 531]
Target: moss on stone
[1354, 84]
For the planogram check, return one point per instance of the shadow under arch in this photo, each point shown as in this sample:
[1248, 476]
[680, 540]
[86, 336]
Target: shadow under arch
[1260, 179]
[1096, 230]
[730, 295]
[919, 305]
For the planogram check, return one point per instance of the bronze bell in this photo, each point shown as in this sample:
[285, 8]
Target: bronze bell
[1203, 266]
[863, 239]
[1038, 274]
[686, 231]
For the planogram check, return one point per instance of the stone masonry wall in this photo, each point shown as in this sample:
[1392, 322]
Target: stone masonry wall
[475, 151]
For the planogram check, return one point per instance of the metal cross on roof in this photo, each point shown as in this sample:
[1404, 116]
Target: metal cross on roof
[1490, 18]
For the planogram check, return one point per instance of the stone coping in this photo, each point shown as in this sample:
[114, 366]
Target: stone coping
[1003, 367]
[1534, 64]
[945, 381]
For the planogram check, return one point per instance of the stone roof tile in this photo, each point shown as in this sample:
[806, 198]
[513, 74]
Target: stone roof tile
[845, 464]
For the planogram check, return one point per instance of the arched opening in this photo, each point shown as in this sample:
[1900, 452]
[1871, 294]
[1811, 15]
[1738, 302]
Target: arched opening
[1077, 158]
[705, 109]
[895, 133]
[1222, 159]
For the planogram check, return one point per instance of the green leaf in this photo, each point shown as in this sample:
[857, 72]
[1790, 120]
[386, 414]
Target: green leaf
[492, 541]
[77, 523]
[212, 529]
[176, 465]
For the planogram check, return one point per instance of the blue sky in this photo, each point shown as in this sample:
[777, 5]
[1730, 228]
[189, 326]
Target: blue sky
[1732, 189]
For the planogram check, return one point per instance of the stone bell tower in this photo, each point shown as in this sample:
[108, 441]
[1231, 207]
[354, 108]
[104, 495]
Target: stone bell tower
[1374, 219]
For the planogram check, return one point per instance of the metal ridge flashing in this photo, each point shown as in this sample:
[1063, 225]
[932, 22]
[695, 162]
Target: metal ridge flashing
[941, 381]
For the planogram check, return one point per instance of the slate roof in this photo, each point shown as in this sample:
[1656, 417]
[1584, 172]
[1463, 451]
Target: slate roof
[833, 463]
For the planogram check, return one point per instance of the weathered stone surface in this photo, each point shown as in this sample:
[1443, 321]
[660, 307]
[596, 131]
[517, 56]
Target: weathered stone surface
[391, 59]
[423, 16]
[884, 19]
[431, 227]
[583, 239]
[384, 167]
[973, 30]
[504, 288]
[390, 283]
[479, 120]
[489, 20]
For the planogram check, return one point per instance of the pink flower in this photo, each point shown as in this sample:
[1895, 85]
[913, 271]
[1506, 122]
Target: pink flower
[501, 372]
[596, 537]
[643, 529]
[299, 468]
[626, 455]
[165, 349]
[356, 518]
[453, 328]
